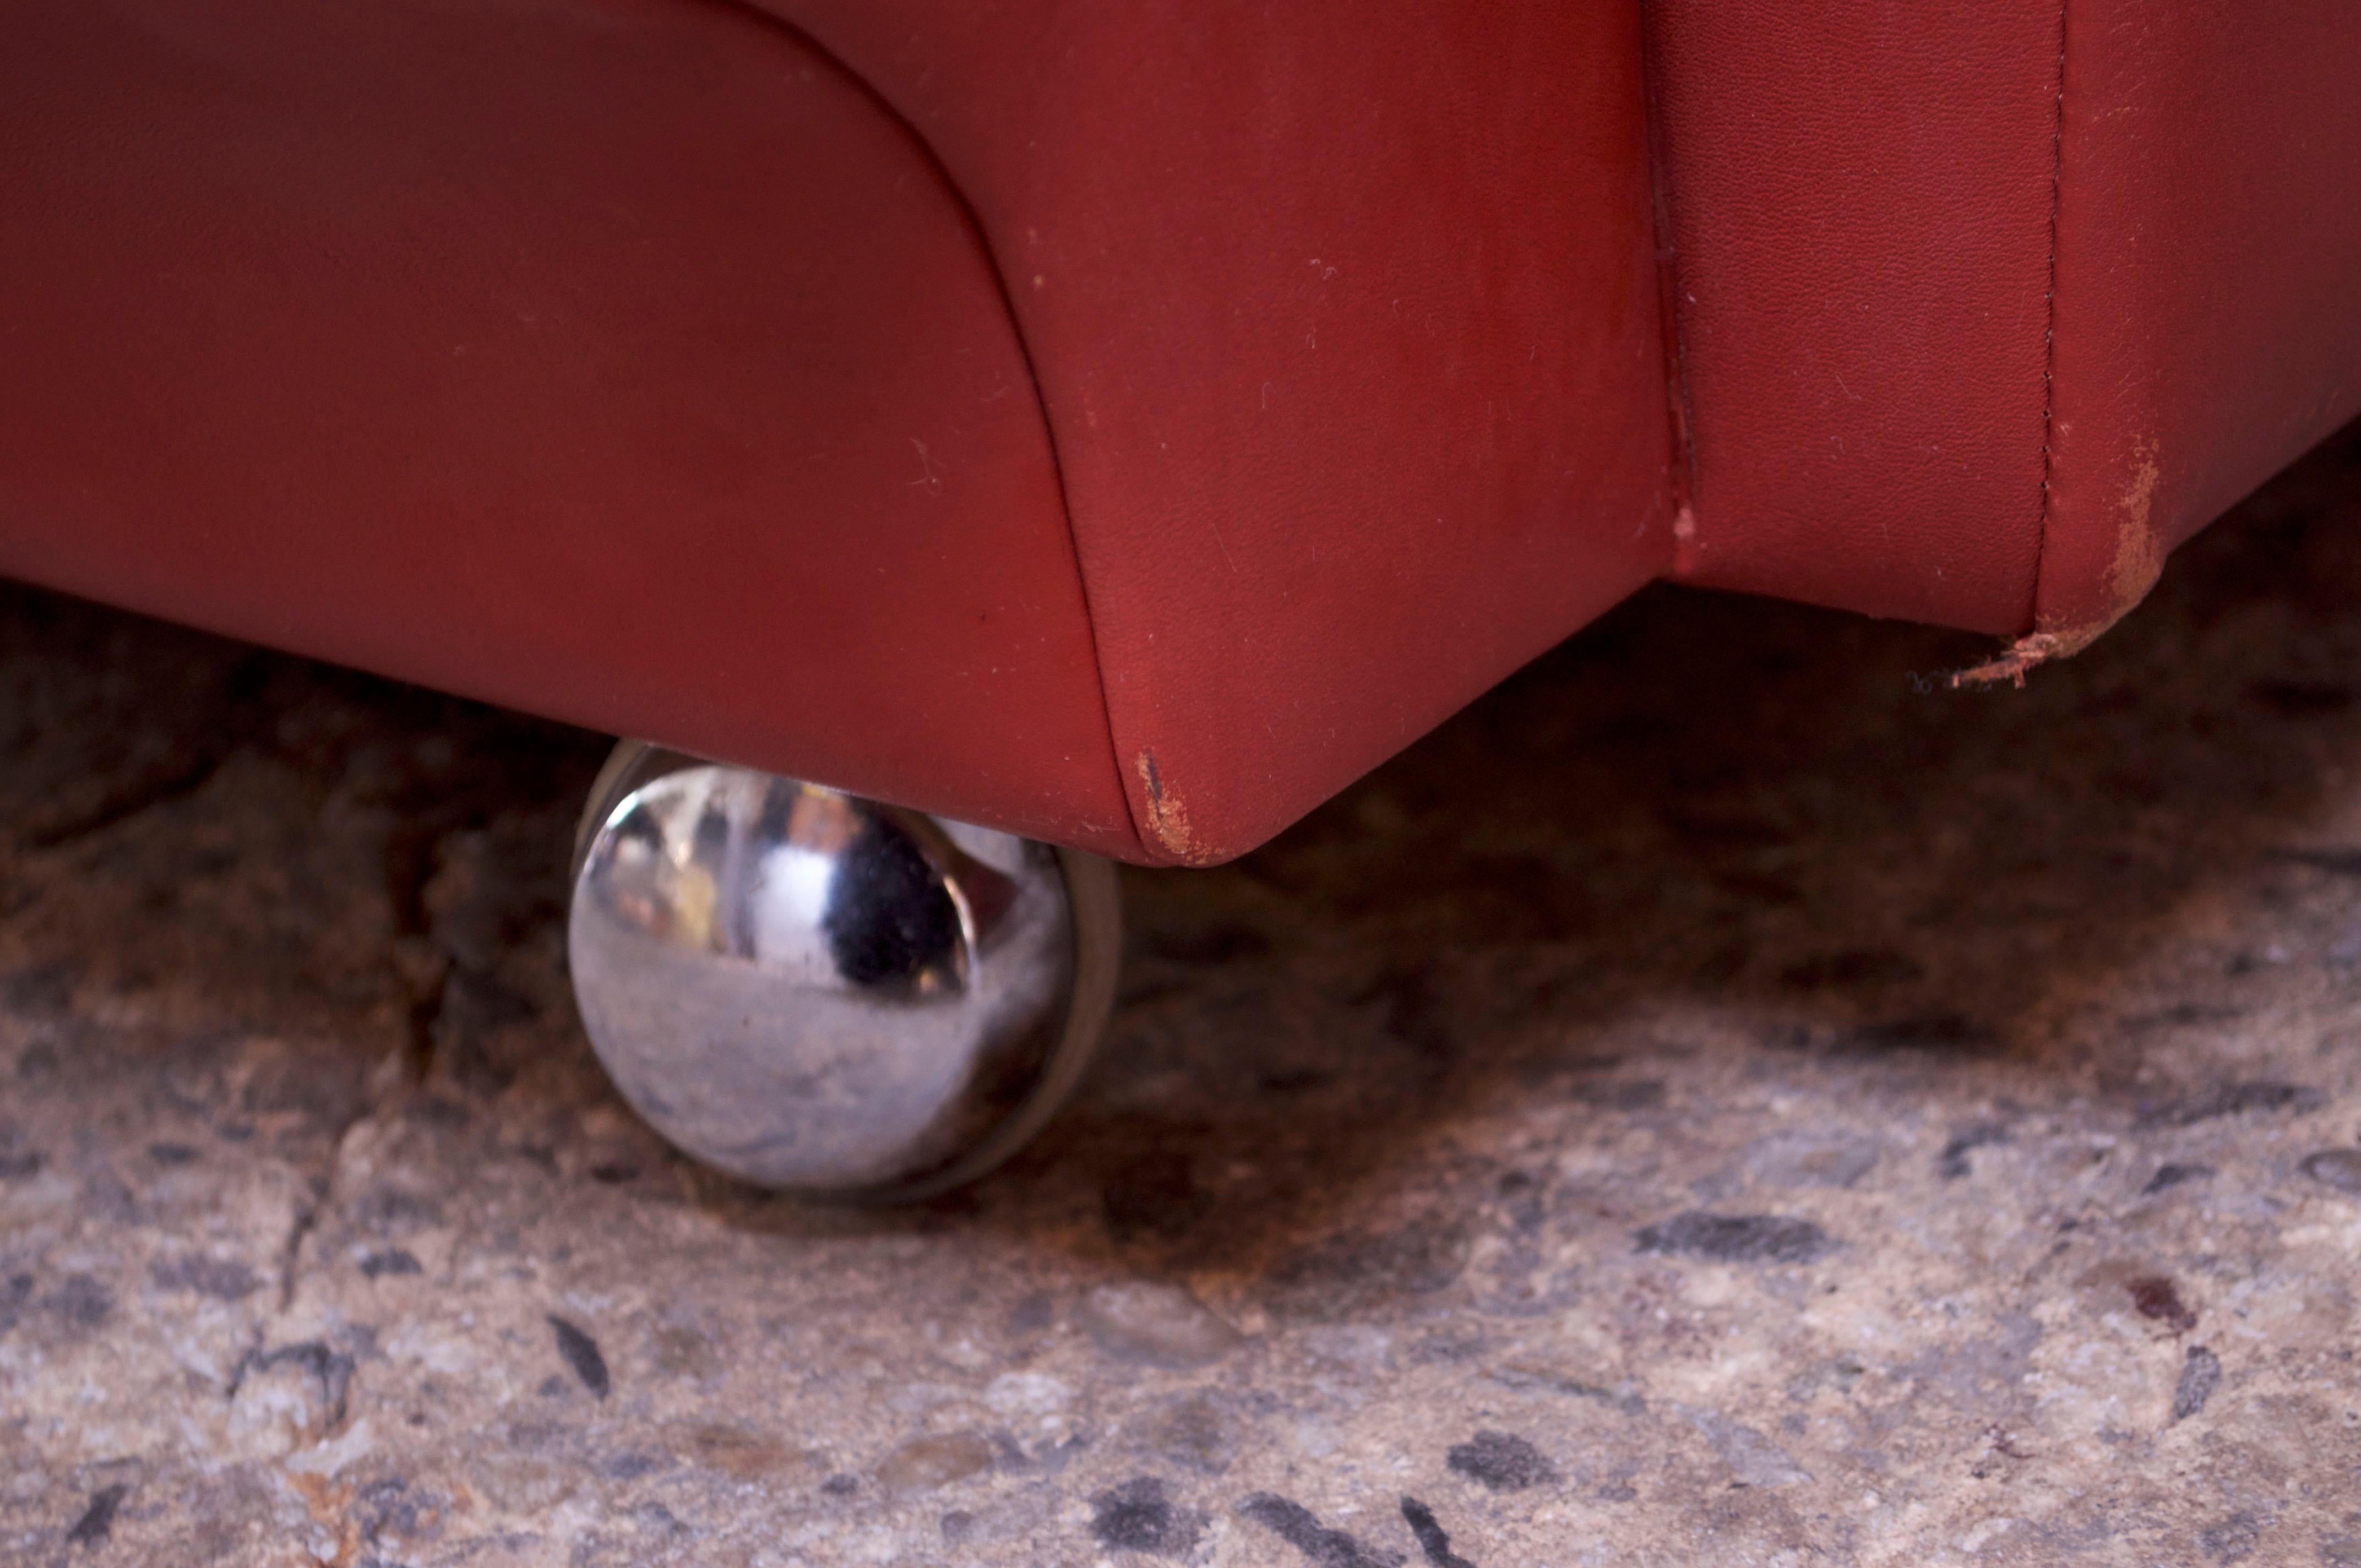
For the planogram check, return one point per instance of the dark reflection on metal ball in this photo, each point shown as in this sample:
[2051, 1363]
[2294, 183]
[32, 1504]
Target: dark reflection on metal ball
[890, 920]
[818, 992]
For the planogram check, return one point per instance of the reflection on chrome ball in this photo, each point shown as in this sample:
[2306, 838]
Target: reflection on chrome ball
[818, 993]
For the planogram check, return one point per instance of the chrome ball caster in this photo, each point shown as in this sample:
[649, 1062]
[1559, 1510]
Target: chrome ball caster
[823, 994]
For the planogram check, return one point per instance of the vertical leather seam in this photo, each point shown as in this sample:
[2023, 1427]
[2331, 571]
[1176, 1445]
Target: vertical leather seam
[2050, 328]
[1682, 477]
[983, 236]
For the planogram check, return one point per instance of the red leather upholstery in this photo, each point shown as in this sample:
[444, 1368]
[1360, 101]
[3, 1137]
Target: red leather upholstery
[1859, 201]
[2208, 277]
[1346, 323]
[1125, 423]
[1984, 305]
[618, 359]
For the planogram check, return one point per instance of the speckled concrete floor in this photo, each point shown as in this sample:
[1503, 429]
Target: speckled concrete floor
[1719, 1100]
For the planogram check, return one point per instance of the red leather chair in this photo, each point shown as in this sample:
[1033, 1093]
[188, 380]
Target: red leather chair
[1121, 424]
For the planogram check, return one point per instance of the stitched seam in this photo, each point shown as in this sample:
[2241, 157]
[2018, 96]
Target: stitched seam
[974, 221]
[2050, 328]
[1678, 410]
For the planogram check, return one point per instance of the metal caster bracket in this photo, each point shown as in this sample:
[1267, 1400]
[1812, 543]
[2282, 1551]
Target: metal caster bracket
[824, 994]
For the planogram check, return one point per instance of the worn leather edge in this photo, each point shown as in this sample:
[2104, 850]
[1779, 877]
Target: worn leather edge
[1139, 849]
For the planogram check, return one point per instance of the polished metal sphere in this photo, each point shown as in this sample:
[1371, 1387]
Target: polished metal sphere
[817, 993]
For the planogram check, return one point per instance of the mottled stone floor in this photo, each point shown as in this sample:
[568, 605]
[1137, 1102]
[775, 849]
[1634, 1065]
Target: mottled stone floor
[1722, 1100]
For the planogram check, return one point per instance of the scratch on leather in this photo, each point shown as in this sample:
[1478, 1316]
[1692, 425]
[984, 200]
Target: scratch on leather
[1167, 817]
[2133, 572]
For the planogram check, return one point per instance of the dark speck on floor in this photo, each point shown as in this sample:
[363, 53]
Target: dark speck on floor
[2232, 1100]
[1433, 1539]
[1952, 1164]
[2173, 1173]
[1301, 1529]
[1736, 1238]
[2200, 1373]
[1138, 1517]
[389, 1260]
[97, 1520]
[580, 1351]
[2339, 1168]
[224, 1279]
[2157, 1297]
[1501, 1461]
